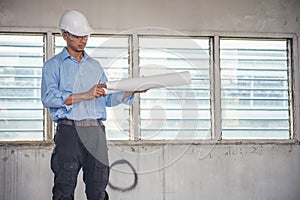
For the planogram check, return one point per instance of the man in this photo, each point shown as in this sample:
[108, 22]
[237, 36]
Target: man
[72, 89]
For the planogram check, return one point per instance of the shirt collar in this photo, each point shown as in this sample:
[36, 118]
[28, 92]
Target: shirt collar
[65, 54]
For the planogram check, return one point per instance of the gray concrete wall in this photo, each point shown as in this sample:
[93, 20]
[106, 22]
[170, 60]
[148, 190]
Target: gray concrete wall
[172, 172]
[275, 16]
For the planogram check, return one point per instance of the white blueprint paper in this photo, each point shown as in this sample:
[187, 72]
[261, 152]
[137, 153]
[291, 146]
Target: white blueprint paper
[149, 82]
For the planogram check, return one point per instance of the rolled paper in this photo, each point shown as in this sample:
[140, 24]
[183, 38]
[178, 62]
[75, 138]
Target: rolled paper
[149, 82]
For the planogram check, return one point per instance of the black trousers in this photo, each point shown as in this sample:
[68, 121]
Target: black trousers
[80, 148]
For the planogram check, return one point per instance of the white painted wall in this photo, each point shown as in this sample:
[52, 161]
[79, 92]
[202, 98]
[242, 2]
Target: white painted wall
[172, 172]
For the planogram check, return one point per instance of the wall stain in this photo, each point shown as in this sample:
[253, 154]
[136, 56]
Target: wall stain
[5, 159]
[132, 149]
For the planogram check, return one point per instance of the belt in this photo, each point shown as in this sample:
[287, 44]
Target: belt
[88, 122]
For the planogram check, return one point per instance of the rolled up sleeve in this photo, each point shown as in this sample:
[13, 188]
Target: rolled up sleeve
[118, 98]
[51, 96]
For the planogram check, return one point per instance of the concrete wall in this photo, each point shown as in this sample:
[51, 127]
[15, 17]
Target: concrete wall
[170, 172]
[277, 16]
[164, 172]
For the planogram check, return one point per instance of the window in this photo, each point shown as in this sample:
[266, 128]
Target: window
[113, 55]
[180, 112]
[21, 110]
[255, 89]
[245, 94]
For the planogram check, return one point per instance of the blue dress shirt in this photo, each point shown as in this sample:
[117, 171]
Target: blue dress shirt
[63, 75]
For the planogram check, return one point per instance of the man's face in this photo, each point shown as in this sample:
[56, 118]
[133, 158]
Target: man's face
[76, 43]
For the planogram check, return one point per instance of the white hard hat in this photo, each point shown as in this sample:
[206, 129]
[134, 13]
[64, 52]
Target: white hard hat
[75, 23]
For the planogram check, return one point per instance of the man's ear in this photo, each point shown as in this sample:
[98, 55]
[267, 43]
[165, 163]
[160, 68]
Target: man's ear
[64, 35]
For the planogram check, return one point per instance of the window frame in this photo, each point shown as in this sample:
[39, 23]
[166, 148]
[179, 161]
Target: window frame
[289, 55]
[293, 86]
[182, 38]
[216, 126]
[106, 61]
[29, 33]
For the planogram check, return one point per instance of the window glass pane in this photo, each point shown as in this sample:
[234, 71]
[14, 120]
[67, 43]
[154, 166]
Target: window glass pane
[178, 112]
[255, 99]
[112, 53]
[21, 111]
